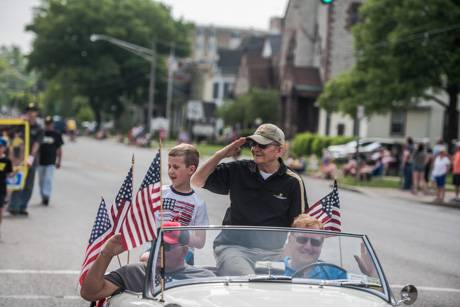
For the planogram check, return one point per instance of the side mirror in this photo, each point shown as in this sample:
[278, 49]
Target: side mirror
[409, 295]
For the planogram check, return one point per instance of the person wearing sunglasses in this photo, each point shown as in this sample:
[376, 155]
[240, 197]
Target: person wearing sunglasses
[131, 277]
[262, 191]
[304, 249]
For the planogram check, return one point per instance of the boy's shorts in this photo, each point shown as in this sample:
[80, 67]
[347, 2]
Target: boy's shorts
[440, 181]
[456, 179]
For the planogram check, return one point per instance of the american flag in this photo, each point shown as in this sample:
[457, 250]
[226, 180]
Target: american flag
[139, 225]
[102, 230]
[327, 210]
[122, 201]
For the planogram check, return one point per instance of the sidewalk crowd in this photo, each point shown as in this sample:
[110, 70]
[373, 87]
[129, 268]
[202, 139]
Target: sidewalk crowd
[423, 170]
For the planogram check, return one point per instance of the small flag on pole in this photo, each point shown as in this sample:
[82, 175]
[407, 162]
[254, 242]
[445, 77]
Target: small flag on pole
[139, 225]
[122, 201]
[327, 210]
[102, 230]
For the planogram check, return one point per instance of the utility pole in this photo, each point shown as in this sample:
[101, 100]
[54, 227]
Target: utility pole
[169, 92]
[151, 102]
[147, 54]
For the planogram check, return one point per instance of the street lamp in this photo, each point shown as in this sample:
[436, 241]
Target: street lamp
[147, 54]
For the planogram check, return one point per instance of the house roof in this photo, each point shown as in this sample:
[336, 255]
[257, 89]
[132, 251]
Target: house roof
[306, 79]
[229, 60]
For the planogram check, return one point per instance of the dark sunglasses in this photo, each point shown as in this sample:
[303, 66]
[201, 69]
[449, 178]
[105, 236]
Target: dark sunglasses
[304, 240]
[261, 146]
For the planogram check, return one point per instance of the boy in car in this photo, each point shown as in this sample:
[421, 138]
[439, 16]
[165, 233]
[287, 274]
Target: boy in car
[180, 202]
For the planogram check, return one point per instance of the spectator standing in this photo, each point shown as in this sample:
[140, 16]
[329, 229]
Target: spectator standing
[456, 171]
[428, 166]
[20, 199]
[437, 147]
[50, 158]
[5, 169]
[71, 129]
[407, 163]
[440, 170]
[419, 158]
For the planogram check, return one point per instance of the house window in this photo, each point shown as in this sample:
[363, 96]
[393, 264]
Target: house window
[398, 123]
[353, 15]
[340, 129]
[215, 90]
[228, 90]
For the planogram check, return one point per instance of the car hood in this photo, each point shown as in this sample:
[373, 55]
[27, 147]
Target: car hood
[264, 294]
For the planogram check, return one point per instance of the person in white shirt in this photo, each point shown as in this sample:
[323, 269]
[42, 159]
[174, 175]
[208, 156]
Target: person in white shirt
[440, 169]
[180, 202]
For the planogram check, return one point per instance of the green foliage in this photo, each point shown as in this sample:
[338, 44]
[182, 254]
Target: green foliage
[17, 86]
[103, 73]
[405, 51]
[257, 104]
[305, 144]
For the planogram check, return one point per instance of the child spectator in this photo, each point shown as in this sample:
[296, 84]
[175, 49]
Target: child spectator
[5, 169]
[180, 202]
[419, 159]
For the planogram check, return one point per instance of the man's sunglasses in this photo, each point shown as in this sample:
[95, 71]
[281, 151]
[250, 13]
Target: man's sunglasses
[304, 240]
[252, 143]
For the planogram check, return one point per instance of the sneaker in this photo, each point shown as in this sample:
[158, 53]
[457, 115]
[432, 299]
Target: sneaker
[45, 201]
[23, 212]
[13, 212]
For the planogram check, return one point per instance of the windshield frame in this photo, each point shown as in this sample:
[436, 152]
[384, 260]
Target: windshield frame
[157, 293]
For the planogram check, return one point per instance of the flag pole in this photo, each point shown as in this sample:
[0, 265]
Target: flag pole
[132, 184]
[162, 251]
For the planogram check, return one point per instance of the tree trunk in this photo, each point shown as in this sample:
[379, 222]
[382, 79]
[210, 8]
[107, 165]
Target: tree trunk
[450, 132]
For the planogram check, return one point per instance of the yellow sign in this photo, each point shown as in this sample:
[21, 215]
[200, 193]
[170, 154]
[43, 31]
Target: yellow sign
[16, 133]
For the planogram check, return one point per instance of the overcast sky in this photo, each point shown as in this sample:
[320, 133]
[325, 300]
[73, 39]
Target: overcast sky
[15, 14]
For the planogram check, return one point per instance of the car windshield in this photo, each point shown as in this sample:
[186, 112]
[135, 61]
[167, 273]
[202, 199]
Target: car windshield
[255, 254]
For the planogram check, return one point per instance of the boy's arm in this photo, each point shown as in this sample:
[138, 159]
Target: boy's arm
[202, 174]
[95, 286]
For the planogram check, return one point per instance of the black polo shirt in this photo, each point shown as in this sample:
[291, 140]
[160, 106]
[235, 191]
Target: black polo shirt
[275, 201]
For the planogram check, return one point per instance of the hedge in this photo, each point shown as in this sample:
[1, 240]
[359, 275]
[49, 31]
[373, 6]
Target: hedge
[305, 144]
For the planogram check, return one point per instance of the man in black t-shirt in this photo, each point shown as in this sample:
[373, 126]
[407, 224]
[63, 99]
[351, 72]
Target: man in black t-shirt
[20, 199]
[5, 169]
[263, 192]
[49, 159]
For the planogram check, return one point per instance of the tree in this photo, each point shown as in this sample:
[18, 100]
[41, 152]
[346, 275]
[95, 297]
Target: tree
[17, 86]
[103, 73]
[257, 104]
[406, 51]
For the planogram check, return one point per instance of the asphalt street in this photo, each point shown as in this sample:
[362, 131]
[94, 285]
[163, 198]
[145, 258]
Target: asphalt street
[40, 256]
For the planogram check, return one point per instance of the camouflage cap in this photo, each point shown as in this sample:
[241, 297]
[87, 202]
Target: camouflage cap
[268, 133]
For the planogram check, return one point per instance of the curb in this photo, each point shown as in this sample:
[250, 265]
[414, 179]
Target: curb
[449, 204]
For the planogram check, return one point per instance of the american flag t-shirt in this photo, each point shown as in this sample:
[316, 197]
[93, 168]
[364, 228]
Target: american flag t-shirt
[102, 230]
[139, 226]
[327, 210]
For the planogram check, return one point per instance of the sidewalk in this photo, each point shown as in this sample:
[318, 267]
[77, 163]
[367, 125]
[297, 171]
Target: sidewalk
[405, 195]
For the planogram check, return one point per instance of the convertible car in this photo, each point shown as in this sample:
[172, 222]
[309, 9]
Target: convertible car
[262, 266]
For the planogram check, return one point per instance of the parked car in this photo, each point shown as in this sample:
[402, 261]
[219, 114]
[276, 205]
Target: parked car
[283, 274]
[367, 146]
